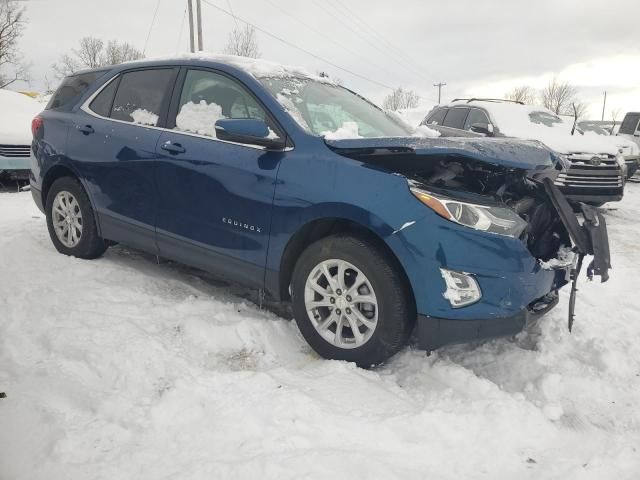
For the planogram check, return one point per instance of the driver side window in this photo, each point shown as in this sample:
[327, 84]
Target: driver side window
[207, 97]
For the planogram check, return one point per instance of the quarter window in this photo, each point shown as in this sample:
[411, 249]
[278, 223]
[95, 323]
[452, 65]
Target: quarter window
[140, 96]
[207, 97]
[455, 117]
[71, 89]
[103, 101]
[475, 116]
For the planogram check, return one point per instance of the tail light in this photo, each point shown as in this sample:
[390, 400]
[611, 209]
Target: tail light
[36, 123]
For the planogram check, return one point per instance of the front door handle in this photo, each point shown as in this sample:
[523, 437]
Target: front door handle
[173, 148]
[85, 129]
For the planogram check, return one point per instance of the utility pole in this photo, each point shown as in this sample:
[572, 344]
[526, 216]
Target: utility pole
[199, 13]
[191, 40]
[439, 85]
[604, 103]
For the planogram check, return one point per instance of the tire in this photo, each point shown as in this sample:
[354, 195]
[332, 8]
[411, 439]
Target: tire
[387, 323]
[86, 243]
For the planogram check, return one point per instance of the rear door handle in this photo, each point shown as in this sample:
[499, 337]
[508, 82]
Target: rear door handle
[86, 129]
[173, 148]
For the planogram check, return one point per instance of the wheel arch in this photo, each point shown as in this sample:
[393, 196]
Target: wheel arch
[320, 228]
[58, 171]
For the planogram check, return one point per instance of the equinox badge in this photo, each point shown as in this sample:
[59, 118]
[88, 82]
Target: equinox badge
[246, 226]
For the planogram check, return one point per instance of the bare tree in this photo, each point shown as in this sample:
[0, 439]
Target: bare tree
[524, 94]
[11, 27]
[93, 53]
[559, 96]
[615, 113]
[243, 42]
[116, 53]
[400, 98]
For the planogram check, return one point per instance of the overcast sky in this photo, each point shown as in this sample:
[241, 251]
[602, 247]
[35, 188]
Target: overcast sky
[481, 48]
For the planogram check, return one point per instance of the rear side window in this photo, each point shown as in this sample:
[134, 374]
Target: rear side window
[436, 117]
[455, 117]
[71, 89]
[141, 95]
[630, 123]
[103, 102]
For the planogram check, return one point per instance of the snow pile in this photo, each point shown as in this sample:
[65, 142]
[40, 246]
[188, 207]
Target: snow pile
[347, 130]
[122, 368]
[199, 118]
[422, 131]
[16, 112]
[513, 120]
[415, 116]
[144, 117]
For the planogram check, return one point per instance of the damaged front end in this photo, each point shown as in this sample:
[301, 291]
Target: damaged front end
[503, 188]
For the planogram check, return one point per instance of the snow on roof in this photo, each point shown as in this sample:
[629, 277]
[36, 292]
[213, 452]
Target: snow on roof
[16, 112]
[257, 67]
[513, 120]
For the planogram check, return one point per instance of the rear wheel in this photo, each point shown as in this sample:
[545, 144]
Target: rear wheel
[351, 301]
[71, 222]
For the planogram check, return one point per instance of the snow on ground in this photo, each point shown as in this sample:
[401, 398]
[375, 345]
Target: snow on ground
[122, 368]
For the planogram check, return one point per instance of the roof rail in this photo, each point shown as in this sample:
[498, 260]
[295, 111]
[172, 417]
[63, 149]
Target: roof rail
[469, 100]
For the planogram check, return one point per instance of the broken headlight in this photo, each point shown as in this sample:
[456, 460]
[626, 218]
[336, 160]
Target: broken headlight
[487, 218]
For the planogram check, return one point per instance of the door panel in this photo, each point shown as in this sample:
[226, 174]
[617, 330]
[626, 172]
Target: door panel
[214, 205]
[117, 162]
[114, 148]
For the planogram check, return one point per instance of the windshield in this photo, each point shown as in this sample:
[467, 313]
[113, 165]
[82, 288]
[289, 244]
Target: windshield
[590, 127]
[545, 118]
[331, 111]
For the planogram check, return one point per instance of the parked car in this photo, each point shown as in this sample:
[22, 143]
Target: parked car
[630, 150]
[630, 127]
[287, 182]
[16, 112]
[594, 169]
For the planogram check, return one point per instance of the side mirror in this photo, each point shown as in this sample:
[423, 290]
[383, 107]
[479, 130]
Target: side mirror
[251, 131]
[484, 128]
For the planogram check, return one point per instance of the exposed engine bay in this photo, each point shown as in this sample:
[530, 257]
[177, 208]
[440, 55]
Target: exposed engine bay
[481, 182]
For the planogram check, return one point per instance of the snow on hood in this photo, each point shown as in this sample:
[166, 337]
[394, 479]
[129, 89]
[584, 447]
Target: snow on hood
[513, 120]
[628, 147]
[528, 155]
[16, 112]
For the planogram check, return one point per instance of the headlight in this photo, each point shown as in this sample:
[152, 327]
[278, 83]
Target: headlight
[500, 220]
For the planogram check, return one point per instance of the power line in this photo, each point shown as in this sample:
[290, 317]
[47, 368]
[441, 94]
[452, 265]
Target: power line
[339, 19]
[375, 33]
[234, 15]
[286, 42]
[323, 35]
[153, 20]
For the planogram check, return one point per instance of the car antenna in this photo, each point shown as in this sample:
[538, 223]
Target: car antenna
[575, 118]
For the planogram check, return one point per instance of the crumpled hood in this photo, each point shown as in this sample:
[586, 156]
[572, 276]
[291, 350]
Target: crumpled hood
[511, 153]
[16, 112]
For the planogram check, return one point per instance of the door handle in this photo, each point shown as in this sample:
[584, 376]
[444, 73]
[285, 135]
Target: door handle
[86, 129]
[173, 148]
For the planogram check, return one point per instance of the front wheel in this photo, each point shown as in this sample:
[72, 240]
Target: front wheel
[351, 300]
[71, 222]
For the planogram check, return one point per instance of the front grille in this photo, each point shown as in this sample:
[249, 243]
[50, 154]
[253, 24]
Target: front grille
[15, 150]
[591, 171]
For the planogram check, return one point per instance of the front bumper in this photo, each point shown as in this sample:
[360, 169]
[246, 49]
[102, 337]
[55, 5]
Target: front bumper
[433, 333]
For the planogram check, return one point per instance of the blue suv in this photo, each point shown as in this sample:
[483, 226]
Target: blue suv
[287, 182]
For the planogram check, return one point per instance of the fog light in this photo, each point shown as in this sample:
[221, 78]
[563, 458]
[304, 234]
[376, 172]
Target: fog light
[462, 289]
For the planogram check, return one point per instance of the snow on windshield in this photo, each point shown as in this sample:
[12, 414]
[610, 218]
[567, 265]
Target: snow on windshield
[199, 118]
[347, 130]
[537, 123]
